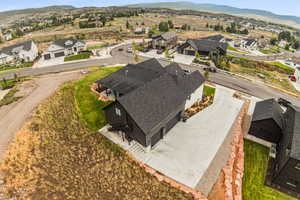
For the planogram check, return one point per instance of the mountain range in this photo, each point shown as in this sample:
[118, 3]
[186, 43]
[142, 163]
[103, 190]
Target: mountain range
[253, 13]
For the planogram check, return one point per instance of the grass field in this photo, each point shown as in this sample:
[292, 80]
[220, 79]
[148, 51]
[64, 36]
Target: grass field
[79, 56]
[56, 156]
[256, 159]
[209, 91]
[89, 105]
[280, 65]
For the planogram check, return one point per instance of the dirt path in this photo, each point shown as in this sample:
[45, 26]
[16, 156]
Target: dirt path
[13, 116]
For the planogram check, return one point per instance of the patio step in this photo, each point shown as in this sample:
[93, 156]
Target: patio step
[136, 148]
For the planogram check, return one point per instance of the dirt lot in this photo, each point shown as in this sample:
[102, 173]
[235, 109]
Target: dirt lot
[34, 91]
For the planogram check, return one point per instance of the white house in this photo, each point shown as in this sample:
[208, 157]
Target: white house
[282, 43]
[249, 44]
[26, 51]
[7, 36]
[297, 73]
[65, 47]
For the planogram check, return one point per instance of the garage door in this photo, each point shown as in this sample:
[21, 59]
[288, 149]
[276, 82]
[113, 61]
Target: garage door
[60, 54]
[155, 138]
[173, 122]
[47, 56]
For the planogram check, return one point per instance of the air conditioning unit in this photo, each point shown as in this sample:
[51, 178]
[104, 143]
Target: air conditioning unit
[273, 151]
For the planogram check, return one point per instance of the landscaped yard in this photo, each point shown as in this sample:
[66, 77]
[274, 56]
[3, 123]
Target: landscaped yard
[209, 91]
[5, 67]
[89, 105]
[79, 56]
[56, 156]
[256, 159]
[280, 65]
[270, 51]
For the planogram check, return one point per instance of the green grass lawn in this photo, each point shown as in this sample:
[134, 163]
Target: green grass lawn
[270, 51]
[231, 48]
[256, 159]
[95, 47]
[209, 91]
[280, 65]
[23, 65]
[89, 105]
[79, 56]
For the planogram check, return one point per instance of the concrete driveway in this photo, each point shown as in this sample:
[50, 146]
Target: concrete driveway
[46, 63]
[187, 151]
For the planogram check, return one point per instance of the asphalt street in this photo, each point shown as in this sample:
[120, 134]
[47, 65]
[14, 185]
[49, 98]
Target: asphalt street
[120, 56]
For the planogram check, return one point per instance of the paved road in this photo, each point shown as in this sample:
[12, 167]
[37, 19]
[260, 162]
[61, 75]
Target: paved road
[122, 57]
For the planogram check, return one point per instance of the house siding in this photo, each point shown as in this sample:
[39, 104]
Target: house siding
[289, 176]
[266, 129]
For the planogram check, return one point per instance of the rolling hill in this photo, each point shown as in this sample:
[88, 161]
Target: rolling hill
[254, 13]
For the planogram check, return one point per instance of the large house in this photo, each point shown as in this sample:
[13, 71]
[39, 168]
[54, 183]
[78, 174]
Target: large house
[26, 51]
[204, 46]
[163, 41]
[149, 99]
[64, 47]
[282, 127]
[297, 73]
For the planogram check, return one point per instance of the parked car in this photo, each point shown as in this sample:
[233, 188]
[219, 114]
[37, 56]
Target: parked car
[292, 78]
[120, 49]
[210, 69]
[160, 51]
[129, 50]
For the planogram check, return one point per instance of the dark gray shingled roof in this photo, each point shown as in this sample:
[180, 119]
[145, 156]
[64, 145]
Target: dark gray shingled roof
[153, 102]
[207, 45]
[156, 91]
[268, 109]
[26, 46]
[132, 76]
[62, 43]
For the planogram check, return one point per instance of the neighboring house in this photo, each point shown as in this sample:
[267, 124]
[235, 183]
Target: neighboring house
[297, 73]
[141, 30]
[149, 100]
[64, 47]
[164, 41]
[203, 46]
[282, 43]
[26, 51]
[8, 36]
[249, 43]
[273, 124]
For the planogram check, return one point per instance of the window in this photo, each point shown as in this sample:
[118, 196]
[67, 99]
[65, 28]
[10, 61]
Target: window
[118, 111]
[297, 166]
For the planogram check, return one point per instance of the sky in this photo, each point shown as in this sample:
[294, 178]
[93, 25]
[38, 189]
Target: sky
[285, 7]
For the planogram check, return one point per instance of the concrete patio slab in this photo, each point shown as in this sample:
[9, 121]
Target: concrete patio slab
[187, 151]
